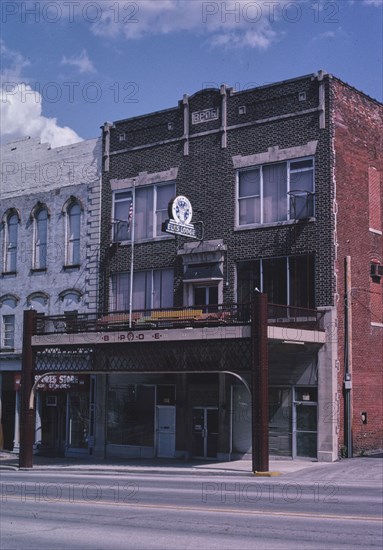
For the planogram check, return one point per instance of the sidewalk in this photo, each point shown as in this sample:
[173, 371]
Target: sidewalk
[10, 461]
[368, 468]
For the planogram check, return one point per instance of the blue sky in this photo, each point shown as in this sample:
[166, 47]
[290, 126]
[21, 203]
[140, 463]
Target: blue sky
[69, 66]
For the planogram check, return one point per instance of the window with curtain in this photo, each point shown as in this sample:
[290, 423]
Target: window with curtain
[148, 212]
[40, 239]
[152, 289]
[73, 234]
[276, 192]
[10, 243]
[286, 280]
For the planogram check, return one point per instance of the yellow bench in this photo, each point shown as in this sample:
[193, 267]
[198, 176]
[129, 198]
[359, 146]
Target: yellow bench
[175, 315]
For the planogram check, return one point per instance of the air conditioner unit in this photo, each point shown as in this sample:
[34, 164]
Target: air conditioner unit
[376, 270]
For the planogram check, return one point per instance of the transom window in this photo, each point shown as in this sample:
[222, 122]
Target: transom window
[149, 211]
[276, 192]
[152, 289]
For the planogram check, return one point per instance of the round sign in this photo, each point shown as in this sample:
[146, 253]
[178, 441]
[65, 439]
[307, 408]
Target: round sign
[182, 211]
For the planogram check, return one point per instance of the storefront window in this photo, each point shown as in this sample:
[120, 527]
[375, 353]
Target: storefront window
[131, 415]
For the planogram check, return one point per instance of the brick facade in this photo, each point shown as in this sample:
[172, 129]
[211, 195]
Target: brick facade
[357, 124]
[206, 140]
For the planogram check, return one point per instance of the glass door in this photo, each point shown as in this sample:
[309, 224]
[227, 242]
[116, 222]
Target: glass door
[204, 432]
[78, 419]
[206, 295]
[305, 422]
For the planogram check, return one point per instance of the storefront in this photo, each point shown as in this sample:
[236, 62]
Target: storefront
[64, 407]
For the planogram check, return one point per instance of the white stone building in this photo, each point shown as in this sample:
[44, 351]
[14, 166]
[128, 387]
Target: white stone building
[49, 253]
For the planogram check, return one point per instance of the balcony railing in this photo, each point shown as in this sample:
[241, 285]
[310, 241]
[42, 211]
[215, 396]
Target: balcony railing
[193, 317]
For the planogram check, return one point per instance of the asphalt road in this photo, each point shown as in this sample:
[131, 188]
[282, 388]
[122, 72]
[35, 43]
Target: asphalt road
[41, 510]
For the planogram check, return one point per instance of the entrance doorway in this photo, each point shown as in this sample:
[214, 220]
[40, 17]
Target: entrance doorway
[205, 295]
[166, 431]
[305, 422]
[204, 432]
[53, 429]
[78, 421]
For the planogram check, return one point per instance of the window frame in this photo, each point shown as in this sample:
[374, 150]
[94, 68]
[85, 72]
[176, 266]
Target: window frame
[288, 269]
[6, 331]
[288, 192]
[72, 242]
[118, 287]
[39, 255]
[156, 233]
[10, 247]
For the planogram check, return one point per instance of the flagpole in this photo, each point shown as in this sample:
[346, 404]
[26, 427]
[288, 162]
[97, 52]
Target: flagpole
[132, 253]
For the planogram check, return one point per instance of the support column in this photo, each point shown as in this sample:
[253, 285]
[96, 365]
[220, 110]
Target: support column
[38, 426]
[260, 385]
[16, 437]
[27, 431]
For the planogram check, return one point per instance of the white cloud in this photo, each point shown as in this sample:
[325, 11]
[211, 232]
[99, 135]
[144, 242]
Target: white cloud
[21, 107]
[230, 24]
[21, 116]
[15, 63]
[375, 3]
[81, 62]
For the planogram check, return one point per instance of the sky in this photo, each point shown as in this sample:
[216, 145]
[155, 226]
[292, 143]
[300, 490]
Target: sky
[69, 66]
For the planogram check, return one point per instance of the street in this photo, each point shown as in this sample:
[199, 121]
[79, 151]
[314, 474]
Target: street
[75, 510]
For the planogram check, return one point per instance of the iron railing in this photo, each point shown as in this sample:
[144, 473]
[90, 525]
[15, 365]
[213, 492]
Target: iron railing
[193, 316]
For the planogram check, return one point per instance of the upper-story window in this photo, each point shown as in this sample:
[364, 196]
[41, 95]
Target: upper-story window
[10, 242]
[73, 231]
[8, 332]
[40, 238]
[277, 192]
[152, 289]
[286, 280]
[148, 212]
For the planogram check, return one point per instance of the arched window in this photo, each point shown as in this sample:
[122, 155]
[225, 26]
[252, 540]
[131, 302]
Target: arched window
[10, 242]
[73, 234]
[40, 238]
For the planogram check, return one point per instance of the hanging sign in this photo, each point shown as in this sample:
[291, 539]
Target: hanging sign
[180, 211]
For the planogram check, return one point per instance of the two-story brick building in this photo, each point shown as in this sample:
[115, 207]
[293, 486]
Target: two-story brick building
[283, 186]
[49, 244]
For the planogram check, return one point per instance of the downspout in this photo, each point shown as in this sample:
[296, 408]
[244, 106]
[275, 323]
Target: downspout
[348, 358]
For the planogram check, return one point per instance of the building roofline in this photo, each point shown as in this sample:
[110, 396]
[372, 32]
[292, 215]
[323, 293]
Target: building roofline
[356, 90]
[319, 74]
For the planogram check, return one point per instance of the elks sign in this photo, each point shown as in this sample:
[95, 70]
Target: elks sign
[181, 212]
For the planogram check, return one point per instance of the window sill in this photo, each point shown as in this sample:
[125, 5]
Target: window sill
[38, 269]
[273, 224]
[9, 273]
[142, 241]
[71, 266]
[380, 325]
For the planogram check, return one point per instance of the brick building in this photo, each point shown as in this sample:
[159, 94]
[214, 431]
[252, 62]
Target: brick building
[49, 243]
[282, 184]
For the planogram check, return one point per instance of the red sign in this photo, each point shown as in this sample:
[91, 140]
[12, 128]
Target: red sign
[17, 382]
